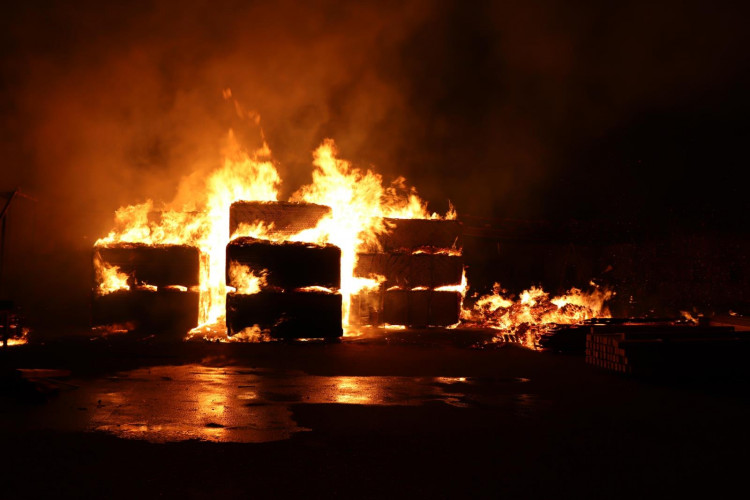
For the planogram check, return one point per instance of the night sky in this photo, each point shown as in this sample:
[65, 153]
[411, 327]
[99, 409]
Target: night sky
[548, 110]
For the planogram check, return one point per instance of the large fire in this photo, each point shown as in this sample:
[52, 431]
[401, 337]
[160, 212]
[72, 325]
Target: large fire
[360, 203]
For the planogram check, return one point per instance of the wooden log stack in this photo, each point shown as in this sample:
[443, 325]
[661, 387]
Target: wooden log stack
[163, 296]
[415, 258]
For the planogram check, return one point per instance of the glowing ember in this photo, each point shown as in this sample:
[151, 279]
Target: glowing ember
[525, 318]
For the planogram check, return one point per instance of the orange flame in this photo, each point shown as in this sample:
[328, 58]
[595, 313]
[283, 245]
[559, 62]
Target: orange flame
[244, 281]
[525, 318]
[109, 278]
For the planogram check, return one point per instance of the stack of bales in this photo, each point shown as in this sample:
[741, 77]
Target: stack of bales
[299, 295]
[163, 287]
[420, 260]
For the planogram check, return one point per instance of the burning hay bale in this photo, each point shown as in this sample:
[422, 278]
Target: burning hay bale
[155, 265]
[287, 265]
[421, 308]
[413, 234]
[150, 287]
[419, 268]
[286, 315]
[289, 289]
[167, 311]
[284, 219]
[410, 270]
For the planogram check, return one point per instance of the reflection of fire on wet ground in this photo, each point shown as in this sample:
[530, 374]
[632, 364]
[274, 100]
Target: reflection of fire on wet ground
[173, 403]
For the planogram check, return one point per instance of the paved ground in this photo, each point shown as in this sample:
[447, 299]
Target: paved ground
[420, 414]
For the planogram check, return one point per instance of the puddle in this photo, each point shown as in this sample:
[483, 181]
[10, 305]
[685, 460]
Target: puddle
[224, 404]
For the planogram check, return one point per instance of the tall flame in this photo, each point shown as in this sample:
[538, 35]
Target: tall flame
[359, 201]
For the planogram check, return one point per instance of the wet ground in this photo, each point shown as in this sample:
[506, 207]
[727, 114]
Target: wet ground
[412, 414]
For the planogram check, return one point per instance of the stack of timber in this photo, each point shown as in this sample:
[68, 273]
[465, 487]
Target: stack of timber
[283, 219]
[669, 351]
[299, 296]
[414, 260]
[163, 284]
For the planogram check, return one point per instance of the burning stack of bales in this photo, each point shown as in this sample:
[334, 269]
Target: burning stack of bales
[147, 287]
[285, 288]
[419, 263]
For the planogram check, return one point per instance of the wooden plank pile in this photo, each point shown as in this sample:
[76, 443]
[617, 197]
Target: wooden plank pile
[299, 296]
[661, 350]
[414, 259]
[162, 296]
